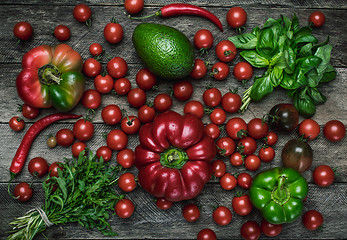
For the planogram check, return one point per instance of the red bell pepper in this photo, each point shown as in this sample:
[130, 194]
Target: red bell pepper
[174, 156]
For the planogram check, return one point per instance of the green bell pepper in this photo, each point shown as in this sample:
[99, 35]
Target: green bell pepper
[279, 193]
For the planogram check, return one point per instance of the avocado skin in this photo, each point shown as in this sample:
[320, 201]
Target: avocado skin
[165, 51]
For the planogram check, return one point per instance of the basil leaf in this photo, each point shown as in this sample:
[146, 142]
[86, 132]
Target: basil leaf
[254, 58]
[307, 63]
[289, 57]
[305, 39]
[295, 24]
[304, 31]
[288, 81]
[328, 76]
[262, 87]
[276, 76]
[324, 53]
[317, 96]
[306, 50]
[244, 41]
[301, 79]
[267, 43]
[287, 23]
[304, 104]
[312, 78]
[315, 47]
[255, 31]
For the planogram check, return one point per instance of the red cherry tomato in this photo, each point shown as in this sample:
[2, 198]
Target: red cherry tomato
[212, 130]
[23, 192]
[126, 182]
[126, 158]
[53, 169]
[136, 97]
[104, 152]
[206, 234]
[65, 137]
[38, 167]
[218, 168]
[334, 130]
[163, 204]
[257, 128]
[83, 130]
[191, 212]
[162, 102]
[231, 102]
[243, 71]
[145, 79]
[225, 146]
[309, 129]
[312, 219]
[91, 99]
[124, 208]
[250, 230]
[91, 67]
[103, 84]
[247, 145]
[77, 148]
[323, 175]
[203, 39]
[16, 124]
[194, 107]
[23, 30]
[183, 90]
[146, 114]
[212, 97]
[117, 67]
[226, 51]
[113, 32]
[122, 86]
[244, 180]
[236, 128]
[252, 162]
[271, 138]
[62, 32]
[269, 229]
[199, 71]
[95, 49]
[29, 111]
[111, 114]
[222, 215]
[317, 18]
[117, 140]
[236, 159]
[133, 6]
[82, 12]
[130, 124]
[236, 17]
[266, 154]
[218, 116]
[220, 71]
[228, 181]
[242, 205]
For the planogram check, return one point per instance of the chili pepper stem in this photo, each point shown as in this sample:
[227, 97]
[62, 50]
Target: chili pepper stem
[144, 17]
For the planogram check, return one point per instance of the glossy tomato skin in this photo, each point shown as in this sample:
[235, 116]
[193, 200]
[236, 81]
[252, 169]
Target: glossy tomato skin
[257, 128]
[51, 142]
[146, 114]
[317, 18]
[266, 154]
[82, 12]
[252, 162]
[163, 204]
[133, 6]
[122, 86]
[243, 71]
[220, 71]
[38, 167]
[130, 124]
[225, 146]
[91, 67]
[136, 97]
[126, 158]
[236, 17]
[242, 205]
[323, 175]
[222, 215]
[183, 90]
[103, 84]
[269, 229]
[244, 180]
[117, 67]
[111, 114]
[95, 49]
[113, 32]
[30, 112]
[16, 124]
[203, 39]
[124, 208]
[145, 79]
[218, 168]
[297, 154]
[199, 70]
[77, 148]
[250, 230]
[212, 97]
[236, 159]
[191, 212]
[194, 107]
[236, 128]
[226, 51]
[127, 182]
[83, 130]
[117, 140]
[218, 116]
[247, 145]
[23, 30]
[62, 32]
[312, 219]
[162, 102]
[212, 130]
[231, 102]
[65, 137]
[309, 129]
[23, 192]
[271, 138]
[283, 117]
[206, 234]
[334, 130]
[105, 152]
[228, 181]
[53, 169]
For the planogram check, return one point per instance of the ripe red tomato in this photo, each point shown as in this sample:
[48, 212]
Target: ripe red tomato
[16, 124]
[194, 107]
[124, 208]
[236, 128]
[23, 30]
[250, 230]
[222, 215]
[38, 167]
[91, 99]
[82, 12]
[203, 39]
[95, 49]
[83, 130]
[242, 205]
[226, 51]
[220, 71]
[145, 79]
[228, 181]
[103, 84]
[91, 67]
[191, 212]
[212, 97]
[269, 229]
[271, 138]
[53, 169]
[206, 234]
[243, 71]
[323, 175]
[252, 162]
[236, 159]
[126, 158]
[111, 114]
[127, 182]
[23, 192]
[77, 148]
[62, 32]
[231, 102]
[163, 204]
[218, 116]
[334, 130]
[113, 32]
[146, 114]
[247, 145]
[117, 140]
[130, 124]
[183, 90]
[117, 67]
[136, 97]
[162, 102]
[104, 152]
[244, 180]
[225, 146]
[199, 71]
[29, 111]
[236, 17]
[257, 128]
[312, 219]
[65, 137]
[133, 6]
[218, 168]
[122, 86]
[317, 18]
[309, 129]
[212, 130]
[267, 154]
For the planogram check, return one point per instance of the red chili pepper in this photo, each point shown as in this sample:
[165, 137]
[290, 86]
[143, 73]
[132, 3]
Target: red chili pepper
[23, 149]
[176, 9]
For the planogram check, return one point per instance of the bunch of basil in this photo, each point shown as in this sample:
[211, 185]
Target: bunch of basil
[293, 60]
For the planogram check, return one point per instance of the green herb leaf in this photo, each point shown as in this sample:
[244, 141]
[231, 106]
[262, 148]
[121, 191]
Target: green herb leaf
[262, 87]
[304, 104]
[276, 76]
[317, 96]
[244, 41]
[267, 43]
[254, 58]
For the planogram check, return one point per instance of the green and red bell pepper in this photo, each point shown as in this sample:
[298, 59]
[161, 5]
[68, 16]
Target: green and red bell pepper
[279, 193]
[174, 156]
[51, 76]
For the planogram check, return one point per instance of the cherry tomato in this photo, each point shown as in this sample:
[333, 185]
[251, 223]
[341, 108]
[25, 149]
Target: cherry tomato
[317, 18]
[225, 146]
[183, 90]
[271, 138]
[334, 130]
[283, 117]
[29, 112]
[103, 84]
[212, 130]
[243, 71]
[242, 205]
[212, 97]
[199, 71]
[163, 204]
[309, 129]
[194, 107]
[162, 102]
[145, 79]
[65, 137]
[236, 17]
[117, 140]
[51, 142]
[53, 169]
[218, 168]
[82, 12]
[62, 32]
[133, 6]
[203, 39]
[136, 97]
[126, 158]
[23, 192]
[191, 212]
[231, 102]
[83, 130]
[236, 159]
[206, 234]
[91, 99]
[252, 162]
[257, 128]
[222, 215]
[23, 30]
[91, 67]
[117, 67]
[323, 176]
[244, 180]
[220, 71]
[297, 154]
[236, 128]
[16, 124]
[269, 229]
[250, 230]
[226, 51]
[38, 167]
[130, 124]
[218, 116]
[146, 114]
[77, 148]
[113, 32]
[104, 152]
[95, 49]
[122, 86]
[312, 219]
[124, 208]
[267, 154]
[111, 114]
[228, 181]
[126, 182]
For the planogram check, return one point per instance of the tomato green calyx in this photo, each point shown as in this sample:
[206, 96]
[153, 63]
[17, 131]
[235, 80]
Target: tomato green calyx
[173, 158]
[280, 194]
[49, 74]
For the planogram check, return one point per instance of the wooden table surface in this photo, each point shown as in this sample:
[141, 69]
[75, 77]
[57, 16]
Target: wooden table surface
[148, 222]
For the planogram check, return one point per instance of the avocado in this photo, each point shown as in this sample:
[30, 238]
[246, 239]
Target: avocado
[165, 51]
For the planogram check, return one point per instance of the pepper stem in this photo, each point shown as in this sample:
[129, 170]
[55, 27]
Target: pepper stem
[144, 17]
[280, 194]
[173, 158]
[49, 74]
